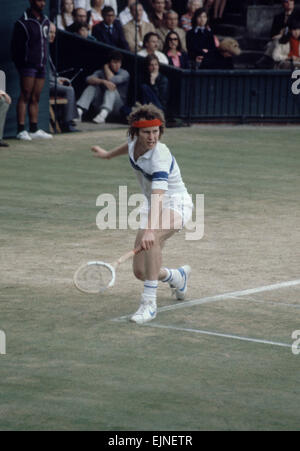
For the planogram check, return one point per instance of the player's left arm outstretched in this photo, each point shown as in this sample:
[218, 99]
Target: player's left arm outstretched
[99, 152]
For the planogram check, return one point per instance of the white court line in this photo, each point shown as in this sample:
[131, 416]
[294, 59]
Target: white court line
[221, 297]
[259, 301]
[217, 334]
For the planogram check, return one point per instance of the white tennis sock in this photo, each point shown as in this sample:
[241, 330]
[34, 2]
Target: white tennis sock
[174, 277]
[150, 288]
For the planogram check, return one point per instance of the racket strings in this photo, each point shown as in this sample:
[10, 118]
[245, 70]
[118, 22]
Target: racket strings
[93, 278]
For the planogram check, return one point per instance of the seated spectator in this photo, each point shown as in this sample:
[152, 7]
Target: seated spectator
[65, 18]
[143, 28]
[86, 4]
[286, 53]
[110, 30]
[113, 4]
[280, 28]
[150, 46]
[281, 21]
[5, 101]
[62, 87]
[171, 24]
[173, 49]
[155, 88]
[106, 92]
[222, 57]
[96, 11]
[80, 16]
[200, 39]
[125, 15]
[156, 15]
[186, 19]
[83, 30]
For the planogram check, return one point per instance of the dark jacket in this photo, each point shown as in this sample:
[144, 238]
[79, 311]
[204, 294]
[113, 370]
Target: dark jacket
[279, 22]
[116, 38]
[29, 44]
[197, 41]
[184, 61]
[160, 88]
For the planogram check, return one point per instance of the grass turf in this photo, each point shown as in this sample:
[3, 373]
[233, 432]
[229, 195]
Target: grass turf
[69, 367]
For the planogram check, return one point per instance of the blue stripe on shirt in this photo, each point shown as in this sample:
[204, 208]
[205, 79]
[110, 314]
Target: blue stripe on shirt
[137, 168]
[160, 176]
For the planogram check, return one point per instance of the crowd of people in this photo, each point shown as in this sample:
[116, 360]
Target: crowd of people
[170, 32]
[167, 32]
[129, 27]
[283, 49]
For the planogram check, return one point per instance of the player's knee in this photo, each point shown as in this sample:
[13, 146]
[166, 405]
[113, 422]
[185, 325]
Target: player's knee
[139, 274]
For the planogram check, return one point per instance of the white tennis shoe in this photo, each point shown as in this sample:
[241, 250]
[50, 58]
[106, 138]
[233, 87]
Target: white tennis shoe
[40, 134]
[24, 136]
[146, 312]
[181, 290]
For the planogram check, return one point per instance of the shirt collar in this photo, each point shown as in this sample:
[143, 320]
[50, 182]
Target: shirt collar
[147, 155]
[199, 28]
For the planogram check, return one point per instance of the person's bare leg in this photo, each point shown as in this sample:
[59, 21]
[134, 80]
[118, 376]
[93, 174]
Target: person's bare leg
[35, 99]
[27, 85]
[147, 264]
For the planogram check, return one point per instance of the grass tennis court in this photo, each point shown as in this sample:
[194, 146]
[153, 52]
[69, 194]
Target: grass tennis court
[222, 360]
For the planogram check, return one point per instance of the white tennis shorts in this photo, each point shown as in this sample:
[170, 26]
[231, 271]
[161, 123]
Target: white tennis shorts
[180, 203]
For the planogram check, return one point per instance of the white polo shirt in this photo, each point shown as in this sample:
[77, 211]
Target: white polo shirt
[157, 169]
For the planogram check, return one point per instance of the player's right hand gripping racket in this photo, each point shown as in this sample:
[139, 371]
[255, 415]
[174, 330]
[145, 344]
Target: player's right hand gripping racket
[96, 276]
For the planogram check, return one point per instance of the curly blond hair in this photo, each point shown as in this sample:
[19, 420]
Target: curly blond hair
[145, 112]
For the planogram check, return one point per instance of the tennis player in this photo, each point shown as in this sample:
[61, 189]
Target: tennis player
[167, 207]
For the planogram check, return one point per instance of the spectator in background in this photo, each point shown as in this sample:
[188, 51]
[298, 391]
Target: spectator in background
[155, 88]
[143, 27]
[222, 58]
[156, 16]
[171, 24]
[30, 54]
[150, 47]
[286, 53]
[83, 30]
[173, 50]
[5, 101]
[280, 22]
[62, 87]
[186, 19]
[80, 17]
[96, 11]
[110, 30]
[107, 90]
[200, 39]
[86, 4]
[126, 16]
[280, 28]
[65, 18]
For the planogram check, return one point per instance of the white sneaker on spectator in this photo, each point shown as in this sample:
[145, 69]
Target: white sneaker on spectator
[24, 136]
[40, 134]
[101, 117]
[80, 113]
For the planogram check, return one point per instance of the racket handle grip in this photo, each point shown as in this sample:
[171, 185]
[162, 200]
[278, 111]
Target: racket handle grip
[127, 256]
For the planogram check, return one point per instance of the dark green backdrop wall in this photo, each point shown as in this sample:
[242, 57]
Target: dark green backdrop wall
[11, 10]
